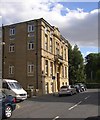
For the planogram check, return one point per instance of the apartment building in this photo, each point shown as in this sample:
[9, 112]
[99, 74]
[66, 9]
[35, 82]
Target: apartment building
[35, 54]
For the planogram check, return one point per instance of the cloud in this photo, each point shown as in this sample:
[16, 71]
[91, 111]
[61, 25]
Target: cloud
[82, 27]
[77, 26]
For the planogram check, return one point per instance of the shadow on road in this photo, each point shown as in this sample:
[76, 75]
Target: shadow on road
[93, 118]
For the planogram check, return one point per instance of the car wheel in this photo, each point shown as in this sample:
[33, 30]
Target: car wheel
[8, 112]
[60, 95]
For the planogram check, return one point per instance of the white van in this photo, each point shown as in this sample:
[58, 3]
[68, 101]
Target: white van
[12, 87]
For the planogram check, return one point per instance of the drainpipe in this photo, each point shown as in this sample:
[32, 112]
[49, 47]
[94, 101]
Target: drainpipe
[36, 54]
[3, 43]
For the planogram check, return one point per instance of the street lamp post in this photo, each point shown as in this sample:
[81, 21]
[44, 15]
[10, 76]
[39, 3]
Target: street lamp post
[2, 43]
[1, 62]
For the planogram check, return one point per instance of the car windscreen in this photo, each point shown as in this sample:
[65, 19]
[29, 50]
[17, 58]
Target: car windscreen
[76, 86]
[64, 87]
[14, 85]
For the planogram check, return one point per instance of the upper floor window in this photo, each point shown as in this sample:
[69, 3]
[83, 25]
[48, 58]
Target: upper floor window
[12, 31]
[65, 53]
[11, 69]
[46, 42]
[11, 48]
[45, 30]
[61, 50]
[30, 28]
[46, 67]
[51, 47]
[51, 68]
[30, 68]
[57, 48]
[51, 34]
[65, 72]
[30, 45]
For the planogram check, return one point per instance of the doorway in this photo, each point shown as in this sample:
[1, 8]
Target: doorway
[58, 81]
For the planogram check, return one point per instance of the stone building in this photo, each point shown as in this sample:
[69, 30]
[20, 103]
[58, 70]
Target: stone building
[35, 54]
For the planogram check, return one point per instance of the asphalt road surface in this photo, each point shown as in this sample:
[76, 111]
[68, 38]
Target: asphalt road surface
[82, 105]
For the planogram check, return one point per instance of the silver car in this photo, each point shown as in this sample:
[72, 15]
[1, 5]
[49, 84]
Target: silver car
[67, 90]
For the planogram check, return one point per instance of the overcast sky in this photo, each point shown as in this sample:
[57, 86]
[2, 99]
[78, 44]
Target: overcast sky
[77, 21]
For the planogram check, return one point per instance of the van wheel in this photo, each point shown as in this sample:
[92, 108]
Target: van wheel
[8, 112]
[71, 93]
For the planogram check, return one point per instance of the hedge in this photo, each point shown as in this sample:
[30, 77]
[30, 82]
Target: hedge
[93, 85]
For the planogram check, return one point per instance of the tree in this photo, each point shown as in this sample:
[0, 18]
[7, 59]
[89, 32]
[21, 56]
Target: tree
[92, 67]
[76, 65]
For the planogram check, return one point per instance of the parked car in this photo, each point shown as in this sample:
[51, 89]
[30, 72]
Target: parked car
[82, 86]
[67, 90]
[78, 88]
[7, 105]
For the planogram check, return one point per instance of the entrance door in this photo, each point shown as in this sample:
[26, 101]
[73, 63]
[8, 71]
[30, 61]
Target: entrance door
[58, 82]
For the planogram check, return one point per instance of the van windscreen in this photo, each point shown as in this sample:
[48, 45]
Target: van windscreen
[14, 85]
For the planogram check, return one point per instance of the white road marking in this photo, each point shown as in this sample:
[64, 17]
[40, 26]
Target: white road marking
[56, 118]
[75, 105]
[17, 106]
[87, 97]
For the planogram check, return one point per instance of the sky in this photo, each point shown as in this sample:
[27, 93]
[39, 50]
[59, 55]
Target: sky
[76, 20]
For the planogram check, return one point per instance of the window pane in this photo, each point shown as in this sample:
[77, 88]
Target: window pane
[46, 67]
[12, 31]
[30, 28]
[30, 46]
[30, 68]
[50, 44]
[11, 48]
[11, 69]
[46, 42]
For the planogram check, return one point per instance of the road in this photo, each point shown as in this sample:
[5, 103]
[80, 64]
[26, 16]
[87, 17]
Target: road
[82, 105]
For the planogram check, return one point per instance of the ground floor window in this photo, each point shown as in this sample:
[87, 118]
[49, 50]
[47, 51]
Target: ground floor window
[65, 72]
[46, 67]
[52, 87]
[62, 83]
[47, 88]
[66, 83]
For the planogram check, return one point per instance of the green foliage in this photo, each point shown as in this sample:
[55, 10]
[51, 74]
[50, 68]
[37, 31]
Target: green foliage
[93, 85]
[92, 67]
[76, 66]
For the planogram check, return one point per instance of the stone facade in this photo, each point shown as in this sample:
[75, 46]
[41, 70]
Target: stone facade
[36, 55]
